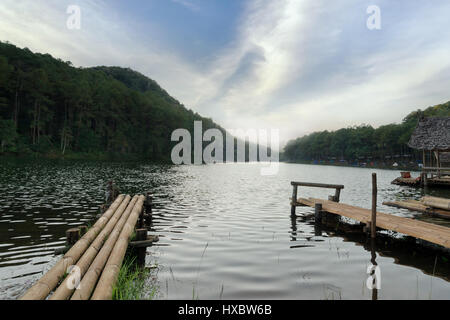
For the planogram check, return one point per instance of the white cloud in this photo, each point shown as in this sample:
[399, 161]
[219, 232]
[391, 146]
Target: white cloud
[188, 4]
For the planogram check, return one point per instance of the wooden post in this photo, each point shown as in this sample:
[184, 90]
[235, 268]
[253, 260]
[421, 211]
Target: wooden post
[318, 212]
[141, 235]
[294, 199]
[373, 222]
[438, 156]
[148, 209]
[72, 236]
[141, 219]
[337, 195]
[83, 230]
[424, 159]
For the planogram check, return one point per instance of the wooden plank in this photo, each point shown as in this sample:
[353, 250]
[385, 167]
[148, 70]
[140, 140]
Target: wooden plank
[317, 185]
[422, 230]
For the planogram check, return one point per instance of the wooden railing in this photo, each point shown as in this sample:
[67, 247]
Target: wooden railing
[295, 186]
[435, 171]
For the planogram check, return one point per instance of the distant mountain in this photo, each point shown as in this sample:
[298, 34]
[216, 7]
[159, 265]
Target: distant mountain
[49, 106]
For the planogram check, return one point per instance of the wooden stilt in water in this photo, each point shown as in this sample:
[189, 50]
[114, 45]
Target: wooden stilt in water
[318, 212]
[141, 235]
[373, 224]
[294, 199]
[72, 236]
[148, 210]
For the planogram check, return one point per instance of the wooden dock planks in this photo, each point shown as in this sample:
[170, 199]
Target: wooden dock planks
[421, 230]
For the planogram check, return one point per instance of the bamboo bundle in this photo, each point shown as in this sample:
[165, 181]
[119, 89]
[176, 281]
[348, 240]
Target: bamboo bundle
[49, 281]
[65, 290]
[104, 289]
[90, 279]
[440, 203]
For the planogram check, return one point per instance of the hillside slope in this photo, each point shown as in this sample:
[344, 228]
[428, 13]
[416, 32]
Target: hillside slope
[47, 105]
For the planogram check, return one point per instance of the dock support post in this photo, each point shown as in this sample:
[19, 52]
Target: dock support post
[72, 236]
[294, 199]
[148, 209]
[141, 235]
[337, 195]
[318, 213]
[140, 223]
[373, 223]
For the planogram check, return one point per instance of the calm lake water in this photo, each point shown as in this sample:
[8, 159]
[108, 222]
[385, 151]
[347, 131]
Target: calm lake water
[225, 230]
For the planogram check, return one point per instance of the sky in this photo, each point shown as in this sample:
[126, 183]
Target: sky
[294, 65]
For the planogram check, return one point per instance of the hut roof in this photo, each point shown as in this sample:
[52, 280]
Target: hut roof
[431, 134]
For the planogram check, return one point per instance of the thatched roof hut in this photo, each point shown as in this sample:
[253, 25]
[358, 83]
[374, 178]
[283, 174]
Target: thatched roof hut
[432, 134]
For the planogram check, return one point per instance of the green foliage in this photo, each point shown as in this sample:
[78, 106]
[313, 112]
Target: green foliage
[361, 142]
[59, 109]
[8, 134]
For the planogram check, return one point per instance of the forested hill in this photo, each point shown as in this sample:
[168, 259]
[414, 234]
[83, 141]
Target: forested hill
[49, 106]
[363, 143]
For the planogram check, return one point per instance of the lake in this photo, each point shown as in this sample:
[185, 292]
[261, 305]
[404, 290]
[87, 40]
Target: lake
[225, 230]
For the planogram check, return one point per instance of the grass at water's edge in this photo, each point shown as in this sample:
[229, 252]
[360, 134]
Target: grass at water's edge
[134, 283]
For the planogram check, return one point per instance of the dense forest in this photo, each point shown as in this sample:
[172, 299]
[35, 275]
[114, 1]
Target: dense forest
[49, 107]
[361, 143]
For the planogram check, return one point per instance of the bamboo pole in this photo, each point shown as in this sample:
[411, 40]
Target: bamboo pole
[90, 278]
[435, 202]
[65, 290]
[104, 289]
[49, 281]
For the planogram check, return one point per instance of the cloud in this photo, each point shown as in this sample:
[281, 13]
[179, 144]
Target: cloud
[187, 4]
[304, 66]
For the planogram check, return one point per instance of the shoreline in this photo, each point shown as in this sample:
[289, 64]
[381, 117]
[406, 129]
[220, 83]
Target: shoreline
[384, 167]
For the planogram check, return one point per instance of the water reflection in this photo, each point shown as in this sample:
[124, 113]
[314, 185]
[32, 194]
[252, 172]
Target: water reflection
[375, 273]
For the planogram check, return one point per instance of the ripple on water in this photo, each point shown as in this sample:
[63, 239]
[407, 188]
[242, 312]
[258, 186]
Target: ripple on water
[225, 230]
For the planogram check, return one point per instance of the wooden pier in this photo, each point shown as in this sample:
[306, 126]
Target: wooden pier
[432, 233]
[89, 269]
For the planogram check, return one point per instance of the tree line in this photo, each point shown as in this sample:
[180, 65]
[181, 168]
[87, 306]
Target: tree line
[48, 106]
[362, 142]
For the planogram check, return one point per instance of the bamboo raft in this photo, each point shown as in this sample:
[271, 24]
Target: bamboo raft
[429, 232]
[438, 207]
[89, 269]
